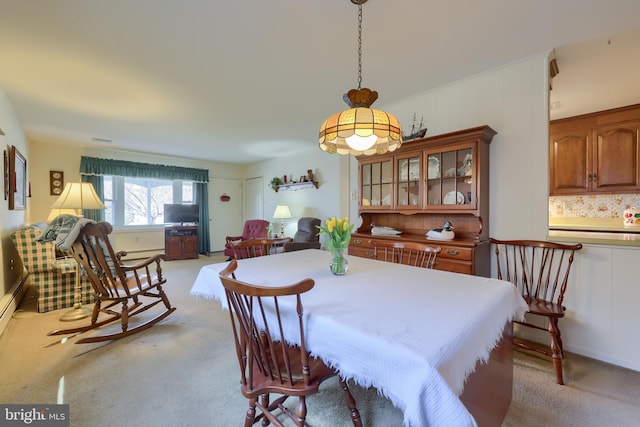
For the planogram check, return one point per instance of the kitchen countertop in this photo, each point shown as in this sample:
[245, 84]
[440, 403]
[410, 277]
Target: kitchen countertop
[598, 231]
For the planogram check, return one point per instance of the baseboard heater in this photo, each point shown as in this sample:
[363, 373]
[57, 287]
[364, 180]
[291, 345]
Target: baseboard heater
[10, 302]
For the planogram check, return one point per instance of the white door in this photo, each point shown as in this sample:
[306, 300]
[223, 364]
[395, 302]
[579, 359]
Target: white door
[226, 217]
[254, 201]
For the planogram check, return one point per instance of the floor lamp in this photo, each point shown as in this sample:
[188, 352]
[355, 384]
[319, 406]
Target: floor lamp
[77, 196]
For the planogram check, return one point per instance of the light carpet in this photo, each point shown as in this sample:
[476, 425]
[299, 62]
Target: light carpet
[183, 372]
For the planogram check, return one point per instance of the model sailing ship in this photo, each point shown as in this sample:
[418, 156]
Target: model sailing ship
[416, 132]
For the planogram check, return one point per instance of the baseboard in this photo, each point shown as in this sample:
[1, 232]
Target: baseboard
[10, 302]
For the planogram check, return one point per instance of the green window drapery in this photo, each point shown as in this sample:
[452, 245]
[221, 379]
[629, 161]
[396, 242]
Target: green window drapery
[96, 166]
[98, 185]
[92, 169]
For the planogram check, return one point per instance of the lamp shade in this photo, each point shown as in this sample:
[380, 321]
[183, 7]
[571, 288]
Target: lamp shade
[282, 212]
[360, 130]
[78, 195]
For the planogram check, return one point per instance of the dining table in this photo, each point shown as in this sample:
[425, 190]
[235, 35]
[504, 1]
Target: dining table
[415, 334]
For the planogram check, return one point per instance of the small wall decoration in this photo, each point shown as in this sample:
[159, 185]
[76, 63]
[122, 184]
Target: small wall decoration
[225, 197]
[17, 180]
[6, 175]
[56, 182]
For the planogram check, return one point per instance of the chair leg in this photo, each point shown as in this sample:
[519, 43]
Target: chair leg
[351, 403]
[125, 316]
[301, 411]
[264, 402]
[251, 413]
[556, 349]
[559, 337]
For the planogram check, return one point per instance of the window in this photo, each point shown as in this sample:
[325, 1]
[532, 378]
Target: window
[139, 202]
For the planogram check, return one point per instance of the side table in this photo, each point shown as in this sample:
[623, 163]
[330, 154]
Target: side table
[78, 311]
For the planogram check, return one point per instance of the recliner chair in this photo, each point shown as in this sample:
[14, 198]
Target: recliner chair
[253, 229]
[307, 235]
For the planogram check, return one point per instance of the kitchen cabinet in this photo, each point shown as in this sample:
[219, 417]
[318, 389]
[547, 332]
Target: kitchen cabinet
[597, 153]
[181, 242]
[423, 184]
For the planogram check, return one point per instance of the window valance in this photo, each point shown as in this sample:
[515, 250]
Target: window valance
[96, 166]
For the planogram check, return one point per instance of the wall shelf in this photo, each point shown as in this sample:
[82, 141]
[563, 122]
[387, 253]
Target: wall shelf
[294, 186]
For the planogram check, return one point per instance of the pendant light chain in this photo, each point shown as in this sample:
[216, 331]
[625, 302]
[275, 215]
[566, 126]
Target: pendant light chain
[360, 130]
[359, 46]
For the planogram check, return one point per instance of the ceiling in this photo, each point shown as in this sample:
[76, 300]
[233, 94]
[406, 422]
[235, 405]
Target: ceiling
[242, 81]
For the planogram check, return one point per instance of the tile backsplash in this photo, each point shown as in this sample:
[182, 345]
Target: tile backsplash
[592, 206]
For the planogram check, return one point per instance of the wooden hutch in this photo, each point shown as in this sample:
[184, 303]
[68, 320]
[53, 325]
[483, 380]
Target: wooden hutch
[423, 184]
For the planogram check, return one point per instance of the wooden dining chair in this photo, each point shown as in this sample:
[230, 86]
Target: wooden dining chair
[540, 270]
[409, 253]
[121, 291]
[269, 362]
[252, 248]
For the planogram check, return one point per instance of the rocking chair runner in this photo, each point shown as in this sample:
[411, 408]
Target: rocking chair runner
[115, 283]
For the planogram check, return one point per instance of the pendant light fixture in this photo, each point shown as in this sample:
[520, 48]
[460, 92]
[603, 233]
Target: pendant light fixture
[360, 129]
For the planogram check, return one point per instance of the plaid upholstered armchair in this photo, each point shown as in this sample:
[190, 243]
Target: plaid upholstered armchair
[54, 278]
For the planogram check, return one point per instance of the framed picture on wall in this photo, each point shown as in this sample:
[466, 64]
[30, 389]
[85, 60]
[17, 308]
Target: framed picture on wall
[56, 182]
[17, 180]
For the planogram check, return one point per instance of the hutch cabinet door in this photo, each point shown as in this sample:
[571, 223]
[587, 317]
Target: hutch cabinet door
[451, 178]
[408, 181]
[376, 184]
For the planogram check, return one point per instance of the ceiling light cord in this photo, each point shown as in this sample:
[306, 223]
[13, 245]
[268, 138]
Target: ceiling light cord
[359, 46]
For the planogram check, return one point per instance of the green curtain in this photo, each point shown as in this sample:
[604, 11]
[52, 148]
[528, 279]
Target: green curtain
[201, 193]
[96, 166]
[92, 169]
[98, 185]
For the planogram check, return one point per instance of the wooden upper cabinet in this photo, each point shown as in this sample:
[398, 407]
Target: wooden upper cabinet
[616, 158]
[596, 153]
[570, 162]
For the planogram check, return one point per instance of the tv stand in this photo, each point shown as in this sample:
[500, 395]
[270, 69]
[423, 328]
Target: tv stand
[181, 241]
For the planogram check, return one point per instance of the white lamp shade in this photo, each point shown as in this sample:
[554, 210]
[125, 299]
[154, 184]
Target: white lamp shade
[78, 195]
[282, 212]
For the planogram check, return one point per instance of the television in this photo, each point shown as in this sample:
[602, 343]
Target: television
[181, 214]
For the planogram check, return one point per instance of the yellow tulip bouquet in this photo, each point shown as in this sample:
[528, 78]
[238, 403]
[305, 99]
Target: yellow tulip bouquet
[339, 235]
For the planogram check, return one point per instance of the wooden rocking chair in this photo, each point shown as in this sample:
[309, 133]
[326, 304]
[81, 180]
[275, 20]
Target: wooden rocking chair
[114, 283]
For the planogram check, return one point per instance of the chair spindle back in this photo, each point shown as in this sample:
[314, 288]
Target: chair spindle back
[256, 315]
[538, 269]
[408, 253]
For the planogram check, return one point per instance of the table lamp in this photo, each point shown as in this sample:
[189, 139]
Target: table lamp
[282, 212]
[79, 196]
[75, 197]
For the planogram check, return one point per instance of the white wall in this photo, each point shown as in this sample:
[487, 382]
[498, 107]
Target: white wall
[330, 199]
[10, 273]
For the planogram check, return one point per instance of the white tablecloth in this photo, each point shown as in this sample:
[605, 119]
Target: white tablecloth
[414, 334]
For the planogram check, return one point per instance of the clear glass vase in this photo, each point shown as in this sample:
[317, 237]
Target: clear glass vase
[339, 264]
